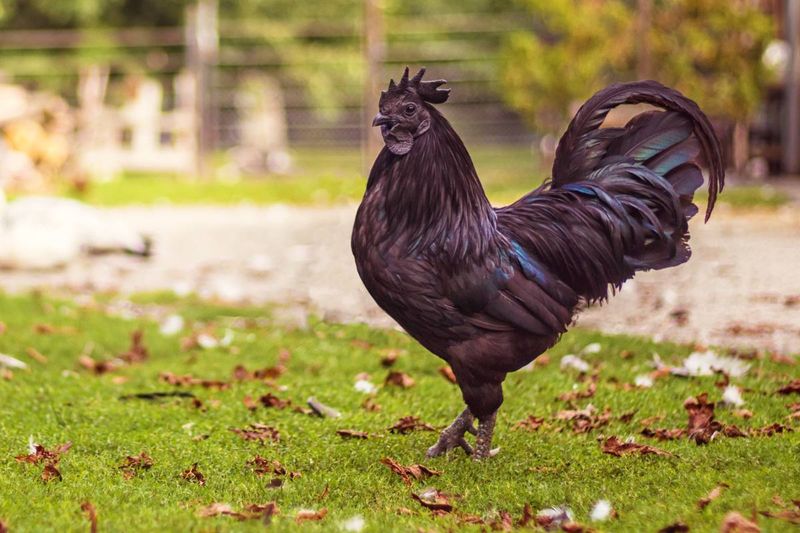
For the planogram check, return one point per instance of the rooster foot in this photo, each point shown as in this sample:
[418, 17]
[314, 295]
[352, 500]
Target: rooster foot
[483, 441]
[453, 436]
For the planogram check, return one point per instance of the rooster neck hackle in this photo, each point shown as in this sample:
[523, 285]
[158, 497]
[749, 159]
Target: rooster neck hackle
[432, 196]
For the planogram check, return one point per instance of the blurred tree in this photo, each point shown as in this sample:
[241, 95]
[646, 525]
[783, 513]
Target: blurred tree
[575, 48]
[709, 49]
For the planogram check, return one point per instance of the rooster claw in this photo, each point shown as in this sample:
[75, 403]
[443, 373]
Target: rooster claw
[446, 443]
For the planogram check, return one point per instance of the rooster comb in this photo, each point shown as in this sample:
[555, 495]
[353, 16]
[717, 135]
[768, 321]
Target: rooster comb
[429, 91]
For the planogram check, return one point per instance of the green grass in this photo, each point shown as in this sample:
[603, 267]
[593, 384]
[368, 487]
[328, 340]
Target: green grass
[325, 177]
[58, 402]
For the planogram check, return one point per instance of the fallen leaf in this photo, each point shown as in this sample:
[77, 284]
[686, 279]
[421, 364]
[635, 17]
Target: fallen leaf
[742, 413]
[789, 515]
[434, 499]
[3, 526]
[270, 400]
[250, 403]
[586, 419]
[137, 352]
[189, 380]
[97, 366]
[91, 513]
[193, 475]
[416, 471]
[51, 472]
[532, 423]
[772, 429]
[259, 432]
[792, 387]
[36, 355]
[390, 358]
[502, 522]
[782, 359]
[352, 434]
[410, 423]
[715, 493]
[527, 516]
[369, 404]
[41, 454]
[135, 463]
[571, 396]
[448, 374]
[399, 379]
[215, 509]
[304, 515]
[736, 523]
[702, 426]
[664, 434]
[324, 494]
[614, 446]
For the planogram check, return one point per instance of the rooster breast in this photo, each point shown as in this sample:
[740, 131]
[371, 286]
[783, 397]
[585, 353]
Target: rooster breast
[489, 313]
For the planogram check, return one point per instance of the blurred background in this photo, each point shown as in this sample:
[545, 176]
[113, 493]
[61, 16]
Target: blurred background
[169, 110]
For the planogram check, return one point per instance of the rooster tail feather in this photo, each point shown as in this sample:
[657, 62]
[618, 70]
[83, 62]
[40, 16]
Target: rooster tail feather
[668, 143]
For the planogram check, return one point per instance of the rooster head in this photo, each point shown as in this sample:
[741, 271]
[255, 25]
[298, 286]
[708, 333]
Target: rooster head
[404, 110]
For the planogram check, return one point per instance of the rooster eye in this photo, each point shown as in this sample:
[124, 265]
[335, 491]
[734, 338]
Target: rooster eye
[410, 108]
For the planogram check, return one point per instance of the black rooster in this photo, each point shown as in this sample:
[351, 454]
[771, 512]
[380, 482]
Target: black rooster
[488, 289]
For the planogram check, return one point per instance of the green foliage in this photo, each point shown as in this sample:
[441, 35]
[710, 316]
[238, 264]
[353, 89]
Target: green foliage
[708, 49]
[60, 401]
[576, 48]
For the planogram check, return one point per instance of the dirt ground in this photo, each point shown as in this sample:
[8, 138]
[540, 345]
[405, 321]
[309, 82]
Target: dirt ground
[740, 289]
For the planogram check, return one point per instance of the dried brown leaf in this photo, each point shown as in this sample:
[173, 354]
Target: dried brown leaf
[715, 493]
[789, 515]
[415, 471]
[189, 380]
[410, 423]
[250, 403]
[614, 446]
[793, 387]
[259, 432]
[193, 475]
[571, 396]
[352, 434]
[399, 379]
[91, 513]
[137, 352]
[702, 427]
[664, 434]
[736, 523]
[434, 499]
[270, 400]
[304, 515]
[369, 404]
[133, 464]
[532, 423]
[36, 355]
[448, 374]
[51, 472]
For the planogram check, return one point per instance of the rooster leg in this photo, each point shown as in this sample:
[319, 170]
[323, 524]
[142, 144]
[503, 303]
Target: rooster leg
[483, 445]
[453, 435]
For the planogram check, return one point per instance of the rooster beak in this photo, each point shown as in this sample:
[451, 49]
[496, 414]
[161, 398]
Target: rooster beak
[381, 119]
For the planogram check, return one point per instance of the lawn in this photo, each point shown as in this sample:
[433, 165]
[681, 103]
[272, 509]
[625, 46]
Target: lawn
[60, 400]
[324, 177]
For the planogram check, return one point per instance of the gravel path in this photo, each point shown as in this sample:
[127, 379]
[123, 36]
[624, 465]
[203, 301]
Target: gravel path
[742, 287]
